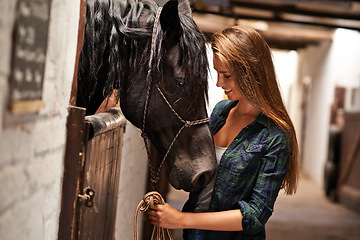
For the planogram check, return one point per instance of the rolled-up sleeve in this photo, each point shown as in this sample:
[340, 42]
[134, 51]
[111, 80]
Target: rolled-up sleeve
[275, 163]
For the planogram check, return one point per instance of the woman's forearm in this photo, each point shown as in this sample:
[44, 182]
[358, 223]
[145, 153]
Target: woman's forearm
[169, 217]
[218, 221]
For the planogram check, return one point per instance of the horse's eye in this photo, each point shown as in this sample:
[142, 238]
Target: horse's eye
[180, 81]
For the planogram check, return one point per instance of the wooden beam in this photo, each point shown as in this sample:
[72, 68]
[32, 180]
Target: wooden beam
[282, 18]
[338, 9]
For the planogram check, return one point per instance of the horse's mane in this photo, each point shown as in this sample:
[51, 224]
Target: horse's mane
[114, 43]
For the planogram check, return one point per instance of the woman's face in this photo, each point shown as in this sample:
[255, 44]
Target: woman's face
[226, 81]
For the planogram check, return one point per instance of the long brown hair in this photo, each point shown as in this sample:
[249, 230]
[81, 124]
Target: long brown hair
[248, 57]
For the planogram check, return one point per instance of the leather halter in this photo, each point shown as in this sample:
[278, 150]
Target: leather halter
[155, 173]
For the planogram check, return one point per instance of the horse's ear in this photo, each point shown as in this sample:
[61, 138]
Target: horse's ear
[170, 21]
[184, 7]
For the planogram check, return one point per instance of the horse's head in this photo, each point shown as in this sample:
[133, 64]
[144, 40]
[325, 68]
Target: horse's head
[180, 88]
[178, 71]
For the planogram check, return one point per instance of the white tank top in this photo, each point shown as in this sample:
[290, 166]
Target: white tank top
[203, 203]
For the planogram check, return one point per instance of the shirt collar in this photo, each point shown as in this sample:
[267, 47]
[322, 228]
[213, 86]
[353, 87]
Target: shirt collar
[262, 119]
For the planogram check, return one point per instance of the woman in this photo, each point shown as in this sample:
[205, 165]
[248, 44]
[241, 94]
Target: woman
[255, 143]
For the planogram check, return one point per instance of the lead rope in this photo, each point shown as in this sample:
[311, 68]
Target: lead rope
[154, 177]
[149, 201]
[151, 198]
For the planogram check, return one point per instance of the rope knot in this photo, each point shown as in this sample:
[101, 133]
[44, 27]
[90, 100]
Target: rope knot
[149, 201]
[188, 123]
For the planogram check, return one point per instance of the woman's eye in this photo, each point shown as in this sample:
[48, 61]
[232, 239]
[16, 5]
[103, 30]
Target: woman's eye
[180, 81]
[226, 76]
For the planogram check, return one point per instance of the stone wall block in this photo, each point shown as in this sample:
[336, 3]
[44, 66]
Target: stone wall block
[49, 135]
[12, 192]
[24, 221]
[44, 171]
[16, 145]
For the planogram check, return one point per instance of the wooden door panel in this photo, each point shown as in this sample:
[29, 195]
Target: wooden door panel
[102, 159]
[91, 175]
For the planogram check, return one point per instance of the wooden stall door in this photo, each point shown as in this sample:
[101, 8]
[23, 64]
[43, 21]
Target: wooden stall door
[102, 159]
[90, 189]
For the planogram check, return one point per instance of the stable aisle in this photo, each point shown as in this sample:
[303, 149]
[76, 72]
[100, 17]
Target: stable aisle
[309, 215]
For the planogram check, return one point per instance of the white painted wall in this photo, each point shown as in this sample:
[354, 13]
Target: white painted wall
[315, 68]
[134, 168]
[326, 66]
[32, 145]
[285, 63]
[216, 94]
[345, 61]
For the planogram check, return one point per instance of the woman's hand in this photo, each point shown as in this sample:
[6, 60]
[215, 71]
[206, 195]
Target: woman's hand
[166, 216]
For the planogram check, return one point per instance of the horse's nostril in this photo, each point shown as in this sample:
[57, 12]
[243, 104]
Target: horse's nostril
[202, 179]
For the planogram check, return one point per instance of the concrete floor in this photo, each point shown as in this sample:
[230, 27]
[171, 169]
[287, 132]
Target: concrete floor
[307, 215]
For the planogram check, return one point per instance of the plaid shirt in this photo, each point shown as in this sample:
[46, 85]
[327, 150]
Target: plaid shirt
[250, 174]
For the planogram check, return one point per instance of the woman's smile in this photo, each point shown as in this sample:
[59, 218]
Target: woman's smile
[227, 91]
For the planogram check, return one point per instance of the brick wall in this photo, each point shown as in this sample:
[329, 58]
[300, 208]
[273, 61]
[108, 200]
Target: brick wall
[32, 145]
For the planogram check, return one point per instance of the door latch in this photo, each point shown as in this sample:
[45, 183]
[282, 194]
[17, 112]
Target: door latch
[88, 197]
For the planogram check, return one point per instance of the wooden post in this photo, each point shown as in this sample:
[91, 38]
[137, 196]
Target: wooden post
[79, 48]
[72, 173]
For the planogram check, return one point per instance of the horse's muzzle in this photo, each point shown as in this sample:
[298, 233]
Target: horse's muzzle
[191, 177]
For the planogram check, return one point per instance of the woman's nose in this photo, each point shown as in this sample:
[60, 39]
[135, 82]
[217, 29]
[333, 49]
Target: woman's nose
[218, 82]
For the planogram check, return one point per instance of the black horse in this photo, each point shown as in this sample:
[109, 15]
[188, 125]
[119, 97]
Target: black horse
[167, 78]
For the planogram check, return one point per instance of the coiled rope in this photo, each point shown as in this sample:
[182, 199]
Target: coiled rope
[149, 201]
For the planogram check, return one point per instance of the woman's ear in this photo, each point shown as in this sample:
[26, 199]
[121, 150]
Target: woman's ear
[170, 21]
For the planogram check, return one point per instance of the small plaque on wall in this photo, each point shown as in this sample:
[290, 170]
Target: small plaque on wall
[30, 36]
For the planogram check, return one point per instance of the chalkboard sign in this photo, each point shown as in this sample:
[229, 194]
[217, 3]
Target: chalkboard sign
[30, 36]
